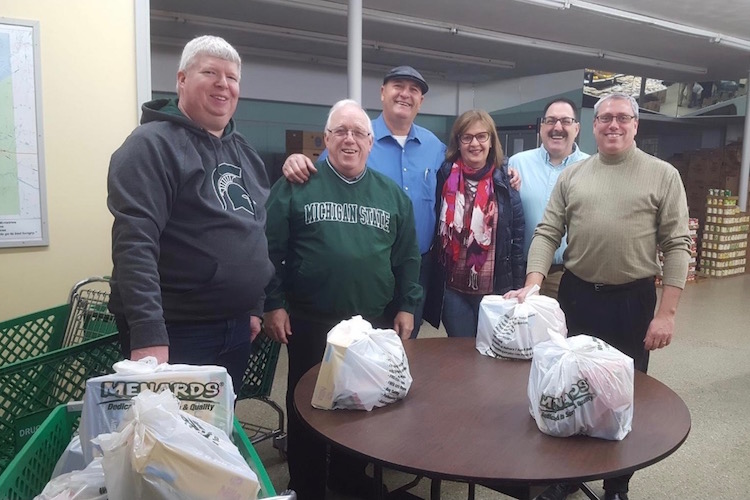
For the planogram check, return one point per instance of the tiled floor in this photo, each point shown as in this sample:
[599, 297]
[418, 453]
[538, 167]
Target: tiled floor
[708, 365]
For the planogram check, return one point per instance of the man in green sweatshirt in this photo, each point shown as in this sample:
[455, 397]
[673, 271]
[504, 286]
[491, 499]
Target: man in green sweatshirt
[616, 206]
[343, 244]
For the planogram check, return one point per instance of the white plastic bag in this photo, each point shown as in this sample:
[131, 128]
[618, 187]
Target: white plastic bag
[86, 484]
[71, 458]
[204, 391]
[581, 385]
[362, 368]
[162, 452]
[508, 329]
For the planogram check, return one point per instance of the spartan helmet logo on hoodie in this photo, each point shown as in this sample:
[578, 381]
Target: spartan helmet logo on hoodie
[227, 188]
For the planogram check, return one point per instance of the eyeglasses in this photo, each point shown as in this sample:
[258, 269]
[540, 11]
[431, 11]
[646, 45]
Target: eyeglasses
[468, 138]
[564, 121]
[622, 119]
[342, 132]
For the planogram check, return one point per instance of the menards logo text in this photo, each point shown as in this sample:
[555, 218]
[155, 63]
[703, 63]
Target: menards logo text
[183, 390]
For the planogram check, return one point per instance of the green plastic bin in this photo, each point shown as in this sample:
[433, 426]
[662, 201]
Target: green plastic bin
[30, 470]
[256, 384]
[33, 334]
[31, 388]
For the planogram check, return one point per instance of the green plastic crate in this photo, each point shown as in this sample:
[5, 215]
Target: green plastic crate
[31, 335]
[256, 384]
[261, 368]
[31, 388]
[31, 469]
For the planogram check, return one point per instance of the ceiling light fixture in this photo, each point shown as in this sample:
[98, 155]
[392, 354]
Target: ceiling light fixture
[495, 36]
[735, 43]
[289, 56]
[711, 36]
[550, 4]
[211, 22]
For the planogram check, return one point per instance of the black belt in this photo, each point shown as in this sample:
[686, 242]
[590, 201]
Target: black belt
[602, 287]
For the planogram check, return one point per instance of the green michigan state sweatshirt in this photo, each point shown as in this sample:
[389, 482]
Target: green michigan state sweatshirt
[341, 247]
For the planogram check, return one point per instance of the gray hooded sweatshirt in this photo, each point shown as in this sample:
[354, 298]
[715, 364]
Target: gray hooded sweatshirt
[188, 241]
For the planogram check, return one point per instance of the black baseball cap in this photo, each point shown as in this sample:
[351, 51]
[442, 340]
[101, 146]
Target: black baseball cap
[408, 73]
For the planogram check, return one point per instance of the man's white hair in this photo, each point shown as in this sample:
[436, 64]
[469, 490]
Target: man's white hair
[621, 96]
[345, 103]
[208, 45]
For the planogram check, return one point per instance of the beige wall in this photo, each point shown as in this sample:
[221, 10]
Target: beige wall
[89, 104]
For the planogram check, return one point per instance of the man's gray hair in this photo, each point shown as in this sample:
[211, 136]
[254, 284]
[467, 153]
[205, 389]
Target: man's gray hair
[208, 45]
[621, 96]
[345, 103]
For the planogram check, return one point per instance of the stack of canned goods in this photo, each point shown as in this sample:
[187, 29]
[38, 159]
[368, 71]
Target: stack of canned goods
[724, 245]
[721, 197]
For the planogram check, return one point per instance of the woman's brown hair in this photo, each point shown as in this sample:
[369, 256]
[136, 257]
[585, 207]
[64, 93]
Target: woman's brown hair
[463, 123]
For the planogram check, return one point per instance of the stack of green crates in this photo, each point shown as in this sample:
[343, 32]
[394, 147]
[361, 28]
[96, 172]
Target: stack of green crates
[37, 373]
[30, 470]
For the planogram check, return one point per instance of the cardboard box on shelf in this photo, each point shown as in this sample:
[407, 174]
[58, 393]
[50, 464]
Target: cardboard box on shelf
[299, 140]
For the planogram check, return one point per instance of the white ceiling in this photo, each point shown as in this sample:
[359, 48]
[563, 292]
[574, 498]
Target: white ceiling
[314, 32]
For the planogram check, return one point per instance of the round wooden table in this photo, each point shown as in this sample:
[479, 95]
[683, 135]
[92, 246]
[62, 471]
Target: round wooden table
[466, 418]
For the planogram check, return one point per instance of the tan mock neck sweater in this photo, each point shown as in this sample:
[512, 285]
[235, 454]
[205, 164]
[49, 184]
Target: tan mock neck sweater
[616, 209]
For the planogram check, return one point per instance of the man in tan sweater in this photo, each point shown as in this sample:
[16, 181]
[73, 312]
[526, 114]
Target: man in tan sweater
[616, 207]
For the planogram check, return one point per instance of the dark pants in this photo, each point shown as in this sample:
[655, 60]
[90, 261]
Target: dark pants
[460, 313]
[223, 342]
[424, 280]
[306, 453]
[618, 315]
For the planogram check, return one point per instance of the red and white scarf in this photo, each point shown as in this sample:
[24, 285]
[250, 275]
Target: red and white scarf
[471, 229]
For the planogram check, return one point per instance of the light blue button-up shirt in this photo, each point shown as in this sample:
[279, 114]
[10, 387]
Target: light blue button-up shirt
[413, 167]
[538, 177]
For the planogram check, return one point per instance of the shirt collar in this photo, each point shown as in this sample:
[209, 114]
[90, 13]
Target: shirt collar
[346, 179]
[545, 156]
[381, 130]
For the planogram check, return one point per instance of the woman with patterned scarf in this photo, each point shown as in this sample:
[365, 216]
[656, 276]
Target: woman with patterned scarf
[479, 243]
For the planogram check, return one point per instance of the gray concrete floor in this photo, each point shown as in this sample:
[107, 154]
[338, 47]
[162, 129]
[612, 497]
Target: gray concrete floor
[708, 365]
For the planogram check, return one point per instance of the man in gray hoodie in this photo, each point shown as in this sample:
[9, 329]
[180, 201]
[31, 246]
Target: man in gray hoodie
[187, 193]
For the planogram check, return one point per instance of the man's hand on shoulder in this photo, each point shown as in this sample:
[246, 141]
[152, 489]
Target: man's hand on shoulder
[515, 178]
[160, 352]
[298, 168]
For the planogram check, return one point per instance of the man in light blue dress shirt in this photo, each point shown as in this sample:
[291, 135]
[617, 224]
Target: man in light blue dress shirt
[539, 168]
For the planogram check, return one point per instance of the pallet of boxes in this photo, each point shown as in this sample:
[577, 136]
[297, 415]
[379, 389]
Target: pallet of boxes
[307, 142]
[725, 232]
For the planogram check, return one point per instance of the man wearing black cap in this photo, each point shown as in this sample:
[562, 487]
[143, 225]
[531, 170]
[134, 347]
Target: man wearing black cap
[405, 152]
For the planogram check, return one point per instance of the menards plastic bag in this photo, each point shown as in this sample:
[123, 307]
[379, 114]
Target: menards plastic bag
[508, 329]
[161, 452]
[581, 385]
[205, 392]
[86, 484]
[362, 368]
